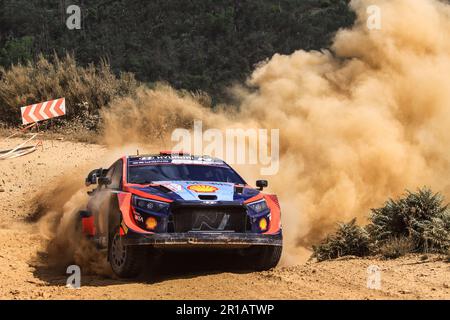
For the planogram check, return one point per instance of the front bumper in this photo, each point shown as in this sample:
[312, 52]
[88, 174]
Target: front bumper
[204, 238]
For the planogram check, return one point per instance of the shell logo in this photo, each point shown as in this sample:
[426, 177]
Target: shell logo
[204, 188]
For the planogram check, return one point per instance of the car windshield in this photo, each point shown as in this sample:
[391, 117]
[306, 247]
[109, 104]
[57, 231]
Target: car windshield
[142, 174]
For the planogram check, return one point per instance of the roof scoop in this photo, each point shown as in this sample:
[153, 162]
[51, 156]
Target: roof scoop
[207, 197]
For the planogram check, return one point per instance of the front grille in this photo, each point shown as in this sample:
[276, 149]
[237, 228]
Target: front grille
[209, 219]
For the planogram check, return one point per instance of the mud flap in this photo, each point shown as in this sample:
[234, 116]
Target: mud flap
[87, 223]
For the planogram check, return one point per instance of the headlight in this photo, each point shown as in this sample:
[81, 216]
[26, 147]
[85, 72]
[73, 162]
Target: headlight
[150, 205]
[258, 206]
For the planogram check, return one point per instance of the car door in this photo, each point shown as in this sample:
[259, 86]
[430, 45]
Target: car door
[107, 197]
[105, 200]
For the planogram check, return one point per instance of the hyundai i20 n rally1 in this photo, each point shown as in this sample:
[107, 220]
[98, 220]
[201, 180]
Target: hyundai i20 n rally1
[147, 202]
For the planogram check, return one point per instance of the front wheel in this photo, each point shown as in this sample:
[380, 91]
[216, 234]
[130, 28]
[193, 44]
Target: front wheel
[126, 261]
[264, 257]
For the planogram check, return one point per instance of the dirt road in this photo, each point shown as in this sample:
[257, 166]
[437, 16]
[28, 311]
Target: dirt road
[24, 274]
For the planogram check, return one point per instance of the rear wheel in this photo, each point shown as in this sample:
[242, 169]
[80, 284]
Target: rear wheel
[126, 261]
[264, 257]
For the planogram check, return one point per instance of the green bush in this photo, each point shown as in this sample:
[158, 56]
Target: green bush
[17, 50]
[396, 247]
[349, 239]
[417, 222]
[420, 216]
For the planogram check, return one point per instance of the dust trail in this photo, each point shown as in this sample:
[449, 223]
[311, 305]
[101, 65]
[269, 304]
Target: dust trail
[358, 124]
[60, 228]
[364, 122]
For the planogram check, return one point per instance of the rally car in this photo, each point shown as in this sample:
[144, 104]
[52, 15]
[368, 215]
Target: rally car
[177, 200]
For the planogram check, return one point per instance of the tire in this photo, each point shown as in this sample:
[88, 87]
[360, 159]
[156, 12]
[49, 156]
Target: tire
[125, 261]
[265, 257]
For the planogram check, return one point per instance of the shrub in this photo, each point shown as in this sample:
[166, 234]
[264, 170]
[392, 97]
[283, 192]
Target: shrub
[419, 216]
[349, 239]
[417, 222]
[86, 89]
[396, 247]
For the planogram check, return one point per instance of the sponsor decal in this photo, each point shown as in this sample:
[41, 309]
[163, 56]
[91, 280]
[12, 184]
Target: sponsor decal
[173, 159]
[138, 217]
[175, 187]
[202, 188]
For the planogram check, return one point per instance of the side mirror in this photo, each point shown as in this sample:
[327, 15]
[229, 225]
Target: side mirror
[104, 181]
[261, 184]
[92, 177]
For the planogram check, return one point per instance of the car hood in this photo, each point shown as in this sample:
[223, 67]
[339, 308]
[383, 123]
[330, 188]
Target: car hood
[198, 191]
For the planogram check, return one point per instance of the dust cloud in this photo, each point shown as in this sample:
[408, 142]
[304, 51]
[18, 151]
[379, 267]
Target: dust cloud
[358, 123]
[60, 226]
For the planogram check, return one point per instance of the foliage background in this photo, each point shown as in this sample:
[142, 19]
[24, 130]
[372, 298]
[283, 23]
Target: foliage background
[202, 45]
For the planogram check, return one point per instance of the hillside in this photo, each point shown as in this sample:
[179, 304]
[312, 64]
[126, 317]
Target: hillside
[193, 45]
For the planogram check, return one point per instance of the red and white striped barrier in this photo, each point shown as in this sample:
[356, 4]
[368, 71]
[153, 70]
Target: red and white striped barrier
[43, 111]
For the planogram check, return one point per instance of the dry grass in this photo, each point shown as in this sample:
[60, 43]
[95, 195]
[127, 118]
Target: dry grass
[86, 89]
